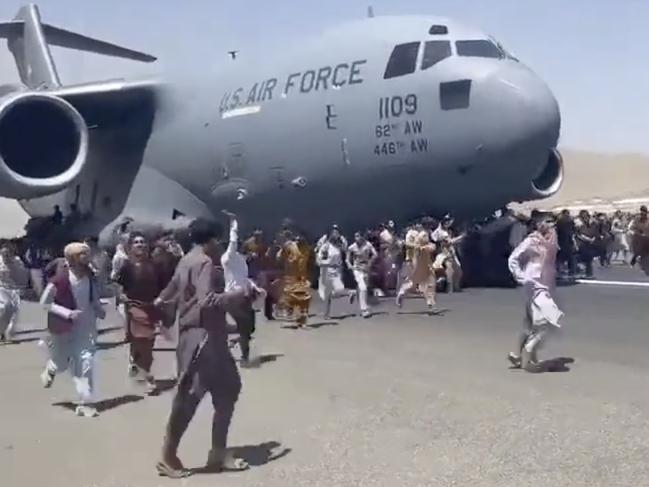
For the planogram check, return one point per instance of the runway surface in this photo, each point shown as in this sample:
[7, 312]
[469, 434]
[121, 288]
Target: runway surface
[403, 399]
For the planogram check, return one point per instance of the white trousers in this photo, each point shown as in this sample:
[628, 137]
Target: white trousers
[362, 280]
[74, 351]
[332, 287]
[9, 311]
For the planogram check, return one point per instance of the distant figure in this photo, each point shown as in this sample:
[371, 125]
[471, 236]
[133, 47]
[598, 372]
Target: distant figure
[74, 217]
[360, 257]
[34, 259]
[57, 217]
[640, 239]
[330, 259]
[13, 277]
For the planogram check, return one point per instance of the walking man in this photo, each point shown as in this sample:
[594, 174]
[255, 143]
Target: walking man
[205, 362]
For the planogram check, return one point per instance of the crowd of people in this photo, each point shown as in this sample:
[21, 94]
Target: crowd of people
[197, 277]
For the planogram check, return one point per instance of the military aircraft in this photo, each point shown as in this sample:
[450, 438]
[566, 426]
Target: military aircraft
[383, 117]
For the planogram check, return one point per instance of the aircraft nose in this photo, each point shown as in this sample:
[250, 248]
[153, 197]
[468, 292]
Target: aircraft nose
[524, 110]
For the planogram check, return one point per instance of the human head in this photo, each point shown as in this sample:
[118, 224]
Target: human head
[77, 255]
[544, 224]
[643, 212]
[360, 238]
[7, 248]
[334, 234]
[584, 215]
[138, 244]
[258, 235]
[91, 241]
[447, 222]
[207, 234]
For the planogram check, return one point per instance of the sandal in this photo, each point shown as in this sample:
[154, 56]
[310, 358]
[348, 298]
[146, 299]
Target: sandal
[165, 470]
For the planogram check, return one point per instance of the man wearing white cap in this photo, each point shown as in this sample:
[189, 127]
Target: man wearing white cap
[72, 301]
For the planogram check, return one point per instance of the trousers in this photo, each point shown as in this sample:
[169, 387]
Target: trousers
[362, 280]
[74, 351]
[209, 368]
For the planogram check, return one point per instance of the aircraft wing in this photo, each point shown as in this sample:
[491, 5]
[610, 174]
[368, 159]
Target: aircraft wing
[112, 102]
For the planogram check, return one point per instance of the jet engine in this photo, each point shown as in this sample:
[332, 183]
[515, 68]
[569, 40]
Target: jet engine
[550, 176]
[43, 144]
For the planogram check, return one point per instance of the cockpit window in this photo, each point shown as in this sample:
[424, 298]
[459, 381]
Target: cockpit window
[403, 60]
[478, 48]
[434, 52]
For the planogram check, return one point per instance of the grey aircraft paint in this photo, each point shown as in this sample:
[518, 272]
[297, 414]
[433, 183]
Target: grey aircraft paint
[347, 127]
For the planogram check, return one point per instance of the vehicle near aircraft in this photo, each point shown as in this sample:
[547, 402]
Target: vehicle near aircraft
[383, 117]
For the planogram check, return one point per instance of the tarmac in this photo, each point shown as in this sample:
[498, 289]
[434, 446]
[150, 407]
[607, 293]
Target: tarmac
[402, 399]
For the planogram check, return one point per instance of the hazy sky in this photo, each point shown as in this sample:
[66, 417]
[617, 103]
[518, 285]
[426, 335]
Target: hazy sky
[592, 53]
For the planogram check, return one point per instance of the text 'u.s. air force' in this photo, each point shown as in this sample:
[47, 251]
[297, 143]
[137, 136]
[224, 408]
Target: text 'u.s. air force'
[311, 80]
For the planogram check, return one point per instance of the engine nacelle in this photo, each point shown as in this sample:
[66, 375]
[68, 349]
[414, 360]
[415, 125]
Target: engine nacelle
[43, 144]
[550, 176]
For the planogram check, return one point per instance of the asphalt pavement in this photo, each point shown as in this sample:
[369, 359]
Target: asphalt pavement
[402, 399]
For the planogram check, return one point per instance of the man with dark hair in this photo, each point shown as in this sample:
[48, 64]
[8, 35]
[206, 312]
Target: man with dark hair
[566, 240]
[204, 360]
[141, 282]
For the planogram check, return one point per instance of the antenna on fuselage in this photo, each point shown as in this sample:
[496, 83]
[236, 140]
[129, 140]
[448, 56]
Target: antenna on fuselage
[370, 12]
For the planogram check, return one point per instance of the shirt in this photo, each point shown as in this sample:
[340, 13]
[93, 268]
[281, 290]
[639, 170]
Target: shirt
[359, 258]
[235, 267]
[90, 310]
[13, 274]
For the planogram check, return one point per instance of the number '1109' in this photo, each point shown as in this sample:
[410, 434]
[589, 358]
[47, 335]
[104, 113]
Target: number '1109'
[395, 106]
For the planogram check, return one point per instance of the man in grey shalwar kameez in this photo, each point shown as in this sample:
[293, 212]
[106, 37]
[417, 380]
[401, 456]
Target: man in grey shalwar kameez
[204, 360]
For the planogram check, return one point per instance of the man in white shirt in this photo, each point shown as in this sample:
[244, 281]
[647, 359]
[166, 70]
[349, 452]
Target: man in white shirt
[235, 273]
[330, 260]
[360, 256]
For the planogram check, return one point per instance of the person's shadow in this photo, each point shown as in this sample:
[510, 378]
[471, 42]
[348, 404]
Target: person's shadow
[104, 405]
[254, 455]
[559, 364]
[258, 361]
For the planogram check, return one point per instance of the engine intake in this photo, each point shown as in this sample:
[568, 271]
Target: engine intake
[43, 145]
[550, 177]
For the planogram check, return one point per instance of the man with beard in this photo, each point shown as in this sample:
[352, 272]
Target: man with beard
[141, 282]
[206, 364]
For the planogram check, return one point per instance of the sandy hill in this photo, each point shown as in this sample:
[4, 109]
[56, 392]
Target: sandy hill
[590, 175]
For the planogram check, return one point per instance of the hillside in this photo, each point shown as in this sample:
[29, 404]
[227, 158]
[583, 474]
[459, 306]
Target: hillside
[591, 175]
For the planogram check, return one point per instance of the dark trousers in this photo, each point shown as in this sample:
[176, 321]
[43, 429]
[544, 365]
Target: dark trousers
[586, 256]
[213, 371]
[141, 350]
[245, 327]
